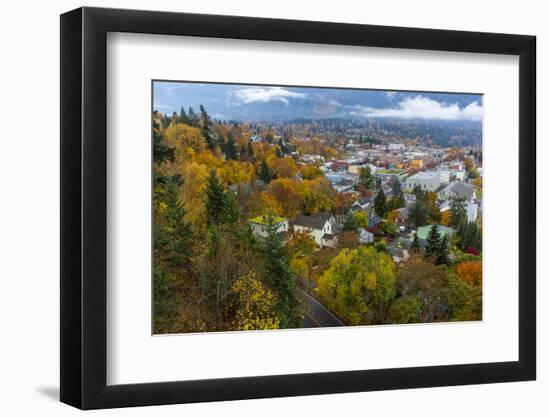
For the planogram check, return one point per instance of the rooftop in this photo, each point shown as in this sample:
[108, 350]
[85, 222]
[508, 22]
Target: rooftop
[390, 171]
[423, 231]
[317, 221]
[263, 219]
[425, 175]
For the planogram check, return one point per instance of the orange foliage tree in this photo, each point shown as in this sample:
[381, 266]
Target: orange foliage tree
[470, 272]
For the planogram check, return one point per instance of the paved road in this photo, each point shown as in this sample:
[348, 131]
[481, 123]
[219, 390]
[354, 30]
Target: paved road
[317, 314]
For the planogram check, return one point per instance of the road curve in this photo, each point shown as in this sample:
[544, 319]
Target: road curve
[316, 314]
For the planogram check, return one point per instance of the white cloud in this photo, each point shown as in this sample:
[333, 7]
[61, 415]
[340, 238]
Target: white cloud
[265, 95]
[424, 108]
[391, 94]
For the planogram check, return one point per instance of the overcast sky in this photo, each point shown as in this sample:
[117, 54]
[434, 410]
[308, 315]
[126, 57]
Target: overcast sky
[241, 102]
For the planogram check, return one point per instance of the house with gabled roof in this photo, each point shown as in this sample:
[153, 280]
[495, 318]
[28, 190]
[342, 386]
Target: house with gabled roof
[458, 189]
[317, 226]
[259, 225]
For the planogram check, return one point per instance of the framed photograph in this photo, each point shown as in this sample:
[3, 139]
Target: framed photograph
[257, 208]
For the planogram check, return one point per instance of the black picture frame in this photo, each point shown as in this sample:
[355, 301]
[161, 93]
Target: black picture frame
[84, 207]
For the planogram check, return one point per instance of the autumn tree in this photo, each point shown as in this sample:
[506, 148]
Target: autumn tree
[432, 207]
[254, 305]
[282, 167]
[351, 223]
[465, 301]
[223, 256]
[359, 285]
[445, 218]
[425, 282]
[470, 272]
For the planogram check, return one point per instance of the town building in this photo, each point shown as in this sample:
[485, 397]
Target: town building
[459, 190]
[260, 224]
[423, 232]
[399, 174]
[427, 181]
[317, 225]
[365, 236]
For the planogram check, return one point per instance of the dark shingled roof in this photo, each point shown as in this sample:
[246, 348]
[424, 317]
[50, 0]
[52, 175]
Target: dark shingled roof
[316, 221]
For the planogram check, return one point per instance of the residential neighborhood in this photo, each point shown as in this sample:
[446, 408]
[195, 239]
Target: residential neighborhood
[268, 215]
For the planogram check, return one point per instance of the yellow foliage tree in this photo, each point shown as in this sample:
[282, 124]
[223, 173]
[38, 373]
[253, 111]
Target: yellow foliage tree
[282, 167]
[192, 194]
[235, 172]
[362, 218]
[317, 195]
[264, 203]
[288, 193]
[445, 217]
[181, 137]
[359, 285]
[254, 305]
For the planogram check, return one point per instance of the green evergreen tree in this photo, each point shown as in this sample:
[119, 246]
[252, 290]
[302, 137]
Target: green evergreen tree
[442, 252]
[279, 275]
[215, 199]
[458, 212]
[470, 237]
[366, 179]
[192, 117]
[396, 187]
[415, 246]
[206, 127]
[419, 193]
[380, 206]
[161, 151]
[231, 212]
[172, 250]
[432, 242]
[418, 214]
[265, 175]
[398, 201]
[250, 150]
[183, 116]
[350, 223]
[230, 147]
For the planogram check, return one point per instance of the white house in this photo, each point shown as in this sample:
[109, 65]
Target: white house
[317, 226]
[445, 176]
[365, 236]
[427, 180]
[362, 204]
[259, 225]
